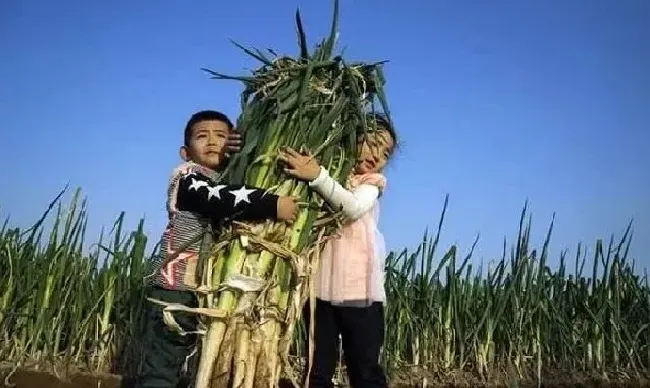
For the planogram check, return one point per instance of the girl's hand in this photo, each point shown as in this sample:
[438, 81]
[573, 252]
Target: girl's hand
[302, 166]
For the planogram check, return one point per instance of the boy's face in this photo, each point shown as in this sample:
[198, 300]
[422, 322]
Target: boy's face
[207, 145]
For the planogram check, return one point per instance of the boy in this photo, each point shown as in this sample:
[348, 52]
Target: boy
[195, 201]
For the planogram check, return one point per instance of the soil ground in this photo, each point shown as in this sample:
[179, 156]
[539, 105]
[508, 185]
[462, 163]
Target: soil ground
[39, 379]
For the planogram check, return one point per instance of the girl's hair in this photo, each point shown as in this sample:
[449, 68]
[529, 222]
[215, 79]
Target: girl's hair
[382, 122]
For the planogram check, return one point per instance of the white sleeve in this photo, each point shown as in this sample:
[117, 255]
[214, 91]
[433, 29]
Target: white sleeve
[353, 203]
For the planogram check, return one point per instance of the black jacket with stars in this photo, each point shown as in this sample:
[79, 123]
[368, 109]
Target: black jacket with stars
[194, 201]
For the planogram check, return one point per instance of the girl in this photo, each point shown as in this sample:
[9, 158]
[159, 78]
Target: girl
[350, 285]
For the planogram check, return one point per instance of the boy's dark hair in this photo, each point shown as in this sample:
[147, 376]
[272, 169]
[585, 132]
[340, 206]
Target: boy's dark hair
[204, 115]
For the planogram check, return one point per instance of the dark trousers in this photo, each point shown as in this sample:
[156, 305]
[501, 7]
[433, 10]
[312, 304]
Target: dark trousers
[166, 351]
[362, 334]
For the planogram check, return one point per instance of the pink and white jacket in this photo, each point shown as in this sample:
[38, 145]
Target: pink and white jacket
[352, 265]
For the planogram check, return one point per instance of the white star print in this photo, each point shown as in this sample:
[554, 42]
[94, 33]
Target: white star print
[198, 184]
[241, 194]
[214, 191]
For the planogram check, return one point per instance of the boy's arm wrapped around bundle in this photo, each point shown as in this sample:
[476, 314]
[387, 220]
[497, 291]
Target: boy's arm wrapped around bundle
[198, 193]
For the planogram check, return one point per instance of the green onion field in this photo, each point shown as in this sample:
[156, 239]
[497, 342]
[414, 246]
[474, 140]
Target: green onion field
[73, 303]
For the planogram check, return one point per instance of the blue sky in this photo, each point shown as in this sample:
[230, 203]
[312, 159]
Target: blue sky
[495, 102]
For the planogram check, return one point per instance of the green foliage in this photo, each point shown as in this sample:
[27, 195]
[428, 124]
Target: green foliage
[59, 305]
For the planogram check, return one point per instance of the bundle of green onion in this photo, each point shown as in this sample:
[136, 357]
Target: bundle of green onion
[257, 279]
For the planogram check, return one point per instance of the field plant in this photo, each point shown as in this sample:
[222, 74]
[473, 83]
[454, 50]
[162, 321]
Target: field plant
[67, 304]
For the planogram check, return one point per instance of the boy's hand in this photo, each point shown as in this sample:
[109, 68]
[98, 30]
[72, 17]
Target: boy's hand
[287, 208]
[302, 166]
[234, 143]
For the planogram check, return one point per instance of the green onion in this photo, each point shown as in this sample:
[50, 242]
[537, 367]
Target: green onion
[315, 102]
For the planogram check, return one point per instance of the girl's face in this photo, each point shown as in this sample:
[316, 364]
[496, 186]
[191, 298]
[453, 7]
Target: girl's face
[374, 150]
